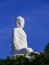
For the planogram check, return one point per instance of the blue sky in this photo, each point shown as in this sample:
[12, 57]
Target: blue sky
[36, 14]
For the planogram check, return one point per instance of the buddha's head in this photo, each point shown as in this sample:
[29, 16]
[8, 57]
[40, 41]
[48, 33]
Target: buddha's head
[20, 22]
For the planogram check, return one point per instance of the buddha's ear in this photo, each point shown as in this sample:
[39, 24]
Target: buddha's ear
[18, 22]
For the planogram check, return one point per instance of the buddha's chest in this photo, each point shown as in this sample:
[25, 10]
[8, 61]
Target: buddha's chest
[22, 33]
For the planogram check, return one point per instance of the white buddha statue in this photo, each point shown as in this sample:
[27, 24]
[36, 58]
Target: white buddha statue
[20, 38]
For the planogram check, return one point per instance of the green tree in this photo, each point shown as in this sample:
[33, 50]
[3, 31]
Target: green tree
[46, 49]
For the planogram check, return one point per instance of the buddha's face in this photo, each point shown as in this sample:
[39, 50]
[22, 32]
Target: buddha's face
[20, 22]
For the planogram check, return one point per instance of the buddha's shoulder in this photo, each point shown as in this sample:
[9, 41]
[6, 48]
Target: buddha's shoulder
[16, 29]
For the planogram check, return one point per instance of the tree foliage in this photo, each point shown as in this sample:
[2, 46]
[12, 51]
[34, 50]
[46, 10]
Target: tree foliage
[38, 59]
[42, 59]
[46, 49]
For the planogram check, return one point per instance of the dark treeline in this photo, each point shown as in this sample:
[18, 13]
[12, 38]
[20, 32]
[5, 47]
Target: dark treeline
[39, 59]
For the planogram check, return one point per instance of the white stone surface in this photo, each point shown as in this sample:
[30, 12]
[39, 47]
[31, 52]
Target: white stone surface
[20, 38]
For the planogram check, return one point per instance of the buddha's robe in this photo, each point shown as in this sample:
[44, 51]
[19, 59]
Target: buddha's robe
[20, 39]
[20, 42]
